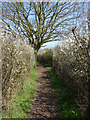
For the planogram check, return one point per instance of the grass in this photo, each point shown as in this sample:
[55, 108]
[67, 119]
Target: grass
[66, 102]
[47, 65]
[0, 117]
[22, 103]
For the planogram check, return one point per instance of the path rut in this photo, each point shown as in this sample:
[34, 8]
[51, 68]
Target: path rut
[45, 103]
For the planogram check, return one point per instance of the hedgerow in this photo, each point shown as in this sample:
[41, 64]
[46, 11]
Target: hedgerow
[70, 62]
[17, 62]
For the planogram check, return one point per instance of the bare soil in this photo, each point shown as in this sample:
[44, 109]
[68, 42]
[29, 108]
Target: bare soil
[45, 103]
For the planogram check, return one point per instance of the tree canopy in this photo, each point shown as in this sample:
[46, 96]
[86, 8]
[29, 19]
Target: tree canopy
[40, 22]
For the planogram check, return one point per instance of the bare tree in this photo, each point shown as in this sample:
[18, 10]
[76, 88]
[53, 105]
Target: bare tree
[40, 22]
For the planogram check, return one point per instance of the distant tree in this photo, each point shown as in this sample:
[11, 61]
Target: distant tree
[40, 22]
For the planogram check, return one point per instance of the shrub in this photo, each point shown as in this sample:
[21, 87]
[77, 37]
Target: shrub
[70, 63]
[45, 57]
[17, 62]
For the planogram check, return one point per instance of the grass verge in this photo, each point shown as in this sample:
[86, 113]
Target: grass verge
[66, 100]
[22, 101]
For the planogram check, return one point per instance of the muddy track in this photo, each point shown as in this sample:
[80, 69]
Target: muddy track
[45, 102]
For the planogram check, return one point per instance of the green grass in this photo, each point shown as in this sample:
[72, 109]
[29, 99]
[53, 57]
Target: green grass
[22, 103]
[0, 117]
[66, 102]
[47, 65]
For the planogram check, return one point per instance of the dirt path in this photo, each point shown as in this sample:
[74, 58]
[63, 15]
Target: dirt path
[45, 103]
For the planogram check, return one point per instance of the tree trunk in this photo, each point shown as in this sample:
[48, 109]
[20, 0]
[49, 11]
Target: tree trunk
[35, 53]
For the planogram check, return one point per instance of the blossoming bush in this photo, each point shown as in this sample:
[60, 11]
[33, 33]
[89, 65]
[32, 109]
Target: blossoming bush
[17, 62]
[70, 63]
